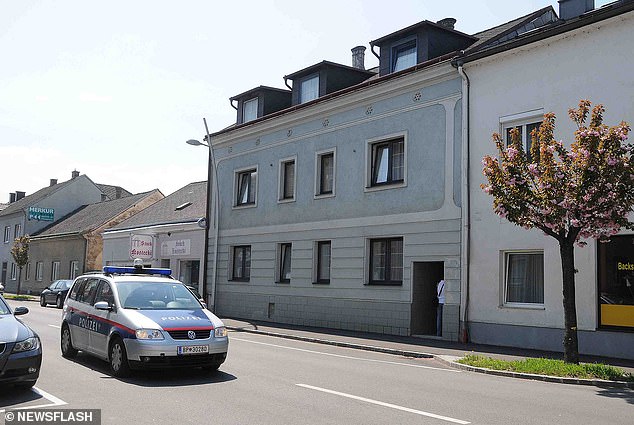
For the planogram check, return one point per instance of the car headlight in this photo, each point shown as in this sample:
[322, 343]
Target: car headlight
[149, 334]
[28, 344]
[220, 332]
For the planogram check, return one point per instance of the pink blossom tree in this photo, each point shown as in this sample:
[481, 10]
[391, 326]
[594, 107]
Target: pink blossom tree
[586, 191]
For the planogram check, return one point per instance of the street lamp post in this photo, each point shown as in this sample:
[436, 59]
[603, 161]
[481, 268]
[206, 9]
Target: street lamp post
[212, 175]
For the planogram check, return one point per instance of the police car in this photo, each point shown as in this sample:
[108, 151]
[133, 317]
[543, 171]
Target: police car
[135, 317]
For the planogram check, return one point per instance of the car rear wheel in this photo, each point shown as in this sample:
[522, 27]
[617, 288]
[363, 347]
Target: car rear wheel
[66, 344]
[59, 302]
[118, 359]
[42, 301]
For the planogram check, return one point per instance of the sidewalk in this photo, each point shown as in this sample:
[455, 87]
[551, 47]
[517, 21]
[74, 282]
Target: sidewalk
[423, 347]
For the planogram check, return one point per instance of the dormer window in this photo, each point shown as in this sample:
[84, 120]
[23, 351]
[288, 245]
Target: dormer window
[309, 88]
[250, 110]
[404, 56]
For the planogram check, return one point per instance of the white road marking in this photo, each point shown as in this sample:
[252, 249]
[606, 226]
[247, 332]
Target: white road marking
[391, 406]
[347, 357]
[55, 326]
[54, 401]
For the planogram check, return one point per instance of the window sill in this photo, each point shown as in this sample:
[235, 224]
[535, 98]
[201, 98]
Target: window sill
[286, 201]
[238, 280]
[324, 195]
[386, 186]
[322, 282]
[244, 206]
[383, 284]
[523, 306]
[283, 282]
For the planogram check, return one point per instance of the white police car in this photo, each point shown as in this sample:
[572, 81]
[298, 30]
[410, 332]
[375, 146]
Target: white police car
[136, 317]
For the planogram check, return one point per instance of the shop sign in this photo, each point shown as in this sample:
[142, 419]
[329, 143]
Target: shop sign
[142, 246]
[41, 214]
[177, 247]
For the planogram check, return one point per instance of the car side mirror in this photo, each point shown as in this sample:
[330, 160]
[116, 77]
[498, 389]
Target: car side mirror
[103, 305]
[19, 311]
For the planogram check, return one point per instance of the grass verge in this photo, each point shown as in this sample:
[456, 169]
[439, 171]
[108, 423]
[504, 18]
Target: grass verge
[19, 297]
[550, 367]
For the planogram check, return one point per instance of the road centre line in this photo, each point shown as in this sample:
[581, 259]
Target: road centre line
[380, 403]
[55, 326]
[347, 357]
[54, 401]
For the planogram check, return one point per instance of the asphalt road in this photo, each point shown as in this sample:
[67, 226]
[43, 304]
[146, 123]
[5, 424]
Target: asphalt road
[268, 380]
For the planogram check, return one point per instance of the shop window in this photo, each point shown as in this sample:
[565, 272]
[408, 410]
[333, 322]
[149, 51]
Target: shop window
[616, 282]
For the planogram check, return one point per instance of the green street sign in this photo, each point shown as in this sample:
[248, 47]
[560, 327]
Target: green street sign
[41, 214]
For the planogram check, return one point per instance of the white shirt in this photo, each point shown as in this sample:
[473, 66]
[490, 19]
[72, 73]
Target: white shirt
[440, 291]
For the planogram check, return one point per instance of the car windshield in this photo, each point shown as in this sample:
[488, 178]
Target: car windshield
[4, 308]
[156, 296]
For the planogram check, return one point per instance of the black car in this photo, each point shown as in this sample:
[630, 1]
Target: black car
[56, 293]
[20, 349]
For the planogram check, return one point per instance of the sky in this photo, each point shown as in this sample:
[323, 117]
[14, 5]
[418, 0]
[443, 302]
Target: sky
[114, 89]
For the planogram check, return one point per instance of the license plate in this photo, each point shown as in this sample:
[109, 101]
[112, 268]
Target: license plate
[192, 349]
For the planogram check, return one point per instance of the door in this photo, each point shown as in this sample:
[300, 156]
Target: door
[81, 320]
[52, 292]
[100, 329]
[424, 301]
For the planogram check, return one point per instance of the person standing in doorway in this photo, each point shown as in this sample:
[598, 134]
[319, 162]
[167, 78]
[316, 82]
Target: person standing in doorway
[440, 293]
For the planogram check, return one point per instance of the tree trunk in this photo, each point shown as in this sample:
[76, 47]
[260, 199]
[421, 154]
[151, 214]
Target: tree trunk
[571, 346]
[19, 281]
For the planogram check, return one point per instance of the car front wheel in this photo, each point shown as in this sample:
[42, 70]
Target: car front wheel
[66, 344]
[118, 359]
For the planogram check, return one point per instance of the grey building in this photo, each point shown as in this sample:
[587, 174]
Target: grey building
[165, 234]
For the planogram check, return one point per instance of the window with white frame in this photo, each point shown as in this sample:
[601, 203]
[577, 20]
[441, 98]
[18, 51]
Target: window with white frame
[17, 230]
[404, 56]
[386, 162]
[323, 262]
[39, 266]
[524, 277]
[287, 180]
[14, 271]
[386, 261]
[246, 187]
[7, 234]
[241, 263]
[27, 271]
[74, 269]
[54, 270]
[284, 263]
[525, 123]
[309, 88]
[250, 110]
[325, 173]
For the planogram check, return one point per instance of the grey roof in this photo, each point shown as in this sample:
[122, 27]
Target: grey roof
[111, 191]
[90, 217]
[165, 211]
[35, 197]
[3, 206]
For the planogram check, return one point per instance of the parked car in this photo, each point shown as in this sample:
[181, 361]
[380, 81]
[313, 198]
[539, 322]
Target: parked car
[56, 293]
[20, 349]
[1, 288]
[135, 317]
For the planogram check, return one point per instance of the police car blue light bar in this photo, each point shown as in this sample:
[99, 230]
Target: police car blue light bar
[136, 270]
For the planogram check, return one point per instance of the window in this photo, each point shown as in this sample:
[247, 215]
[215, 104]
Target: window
[247, 186]
[7, 234]
[250, 110]
[387, 162]
[77, 289]
[325, 178]
[241, 263]
[309, 88]
[323, 262]
[17, 230]
[104, 293]
[14, 271]
[287, 180]
[404, 56]
[524, 278]
[27, 273]
[38, 270]
[55, 270]
[386, 261]
[285, 262]
[525, 131]
[74, 268]
[88, 292]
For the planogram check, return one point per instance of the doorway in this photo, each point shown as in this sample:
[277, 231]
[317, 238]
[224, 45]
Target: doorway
[424, 301]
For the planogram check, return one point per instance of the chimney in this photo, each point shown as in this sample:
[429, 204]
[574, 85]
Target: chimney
[117, 192]
[447, 23]
[11, 198]
[569, 9]
[75, 174]
[53, 182]
[19, 195]
[358, 57]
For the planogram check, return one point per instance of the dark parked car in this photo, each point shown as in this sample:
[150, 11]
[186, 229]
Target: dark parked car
[20, 349]
[56, 293]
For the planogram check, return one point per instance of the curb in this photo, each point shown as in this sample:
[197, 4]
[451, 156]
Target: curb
[447, 360]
